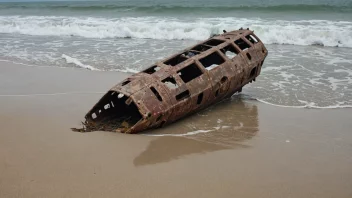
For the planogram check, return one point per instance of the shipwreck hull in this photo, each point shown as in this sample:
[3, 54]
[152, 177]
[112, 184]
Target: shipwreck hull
[180, 85]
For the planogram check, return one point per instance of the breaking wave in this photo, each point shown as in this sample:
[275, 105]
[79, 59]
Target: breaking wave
[78, 63]
[303, 32]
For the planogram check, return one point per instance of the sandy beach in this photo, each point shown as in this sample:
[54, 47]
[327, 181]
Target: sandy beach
[238, 148]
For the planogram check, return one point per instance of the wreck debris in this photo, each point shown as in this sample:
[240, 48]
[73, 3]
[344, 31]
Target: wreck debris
[180, 85]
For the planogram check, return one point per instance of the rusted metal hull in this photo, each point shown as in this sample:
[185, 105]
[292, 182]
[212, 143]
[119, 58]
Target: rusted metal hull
[180, 85]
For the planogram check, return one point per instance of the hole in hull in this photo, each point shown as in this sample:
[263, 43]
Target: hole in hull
[211, 61]
[159, 117]
[201, 48]
[176, 60]
[189, 73]
[251, 39]
[182, 95]
[200, 98]
[229, 51]
[249, 56]
[223, 79]
[170, 82]
[120, 118]
[125, 83]
[214, 42]
[152, 70]
[242, 44]
[156, 93]
[253, 72]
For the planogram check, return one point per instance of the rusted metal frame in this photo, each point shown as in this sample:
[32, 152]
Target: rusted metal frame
[261, 56]
[134, 85]
[164, 110]
[226, 43]
[199, 85]
[230, 35]
[234, 62]
[243, 60]
[162, 101]
[206, 93]
[165, 93]
[182, 65]
[181, 106]
[228, 71]
[162, 62]
[214, 86]
[169, 71]
[193, 94]
[143, 110]
[262, 52]
[247, 64]
[172, 92]
[152, 107]
[235, 36]
[195, 60]
[196, 57]
[240, 68]
[253, 52]
[255, 36]
[205, 41]
[125, 89]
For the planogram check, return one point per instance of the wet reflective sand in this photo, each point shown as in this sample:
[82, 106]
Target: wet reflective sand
[226, 125]
[237, 148]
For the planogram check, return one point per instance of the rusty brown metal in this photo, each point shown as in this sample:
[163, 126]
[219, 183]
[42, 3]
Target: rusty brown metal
[180, 85]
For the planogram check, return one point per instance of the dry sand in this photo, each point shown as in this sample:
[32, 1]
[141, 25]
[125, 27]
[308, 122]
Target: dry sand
[252, 149]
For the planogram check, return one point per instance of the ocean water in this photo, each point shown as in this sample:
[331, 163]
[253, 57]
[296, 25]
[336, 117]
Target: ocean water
[309, 42]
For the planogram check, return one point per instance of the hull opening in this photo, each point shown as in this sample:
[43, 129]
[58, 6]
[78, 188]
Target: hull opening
[114, 112]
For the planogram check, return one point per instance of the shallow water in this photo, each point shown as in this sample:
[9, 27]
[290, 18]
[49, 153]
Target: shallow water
[310, 43]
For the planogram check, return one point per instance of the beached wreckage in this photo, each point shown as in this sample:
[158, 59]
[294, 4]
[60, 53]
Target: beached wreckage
[180, 85]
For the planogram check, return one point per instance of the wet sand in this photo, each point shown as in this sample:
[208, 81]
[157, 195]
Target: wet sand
[237, 148]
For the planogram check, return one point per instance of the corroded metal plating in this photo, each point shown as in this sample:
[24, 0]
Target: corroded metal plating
[181, 84]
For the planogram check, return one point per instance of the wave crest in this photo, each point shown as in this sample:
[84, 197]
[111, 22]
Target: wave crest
[304, 32]
[78, 63]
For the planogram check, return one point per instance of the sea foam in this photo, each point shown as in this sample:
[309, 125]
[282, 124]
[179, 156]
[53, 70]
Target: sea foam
[303, 32]
[308, 105]
[76, 62]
